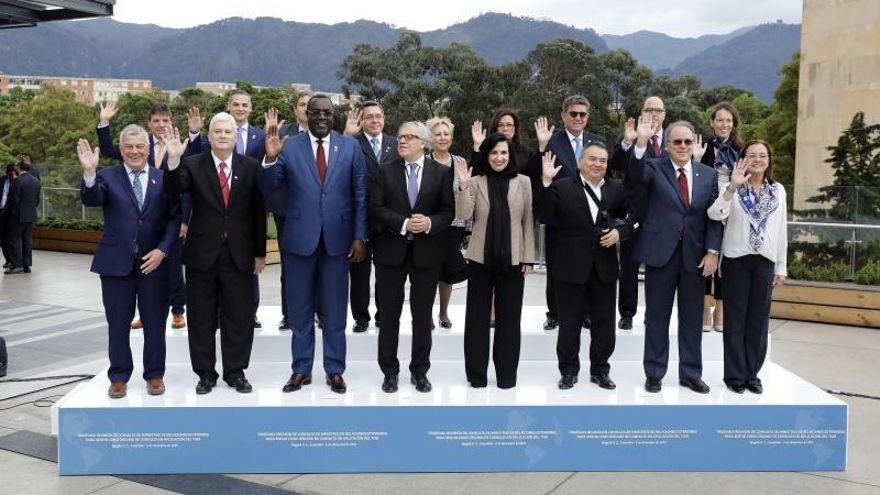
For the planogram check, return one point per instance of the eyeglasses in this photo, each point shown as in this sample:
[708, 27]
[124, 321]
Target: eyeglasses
[658, 111]
[575, 115]
[762, 156]
[679, 142]
[320, 113]
[407, 137]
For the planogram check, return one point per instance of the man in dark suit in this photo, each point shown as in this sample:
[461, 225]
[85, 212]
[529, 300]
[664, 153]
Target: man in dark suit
[679, 245]
[249, 141]
[654, 111]
[226, 245]
[24, 197]
[590, 214]
[378, 147]
[326, 182]
[158, 123]
[411, 204]
[141, 222]
[5, 187]
[301, 124]
[567, 146]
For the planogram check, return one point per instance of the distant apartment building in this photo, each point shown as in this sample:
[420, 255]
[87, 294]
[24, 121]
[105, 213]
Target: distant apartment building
[87, 89]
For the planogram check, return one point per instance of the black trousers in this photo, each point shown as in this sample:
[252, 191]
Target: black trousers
[223, 287]
[19, 242]
[628, 292]
[508, 290]
[280, 222]
[422, 290]
[359, 292]
[747, 294]
[549, 255]
[597, 298]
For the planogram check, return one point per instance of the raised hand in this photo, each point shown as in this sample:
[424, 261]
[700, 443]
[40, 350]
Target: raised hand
[88, 157]
[629, 131]
[699, 147]
[739, 176]
[174, 147]
[194, 120]
[271, 117]
[549, 168]
[645, 130]
[542, 133]
[478, 134]
[353, 122]
[273, 143]
[464, 175]
[108, 111]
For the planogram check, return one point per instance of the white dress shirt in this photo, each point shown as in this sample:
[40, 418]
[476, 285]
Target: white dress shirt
[594, 208]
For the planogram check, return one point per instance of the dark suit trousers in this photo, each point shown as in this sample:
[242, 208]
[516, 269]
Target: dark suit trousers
[597, 298]
[4, 237]
[550, 289]
[748, 290]
[150, 294]
[360, 288]
[224, 287]
[12, 238]
[628, 299]
[661, 286]
[27, 244]
[423, 288]
[280, 222]
[324, 278]
[176, 285]
[508, 290]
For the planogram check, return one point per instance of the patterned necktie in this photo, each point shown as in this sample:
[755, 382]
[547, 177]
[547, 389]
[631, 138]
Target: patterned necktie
[321, 160]
[138, 188]
[578, 148]
[412, 187]
[376, 150]
[224, 183]
[683, 188]
[655, 145]
[239, 141]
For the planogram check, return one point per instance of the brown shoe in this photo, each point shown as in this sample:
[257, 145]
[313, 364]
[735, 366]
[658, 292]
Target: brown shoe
[155, 386]
[136, 324]
[117, 390]
[177, 322]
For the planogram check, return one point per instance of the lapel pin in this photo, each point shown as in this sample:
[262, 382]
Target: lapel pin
[154, 181]
[335, 149]
[234, 177]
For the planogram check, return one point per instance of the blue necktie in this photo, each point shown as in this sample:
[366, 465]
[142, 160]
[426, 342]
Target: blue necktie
[578, 148]
[239, 141]
[376, 150]
[138, 190]
[412, 187]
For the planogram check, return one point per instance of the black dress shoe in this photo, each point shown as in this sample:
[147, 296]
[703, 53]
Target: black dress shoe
[241, 385]
[603, 380]
[2, 370]
[337, 384]
[205, 386]
[257, 323]
[695, 384]
[625, 323]
[587, 323]
[550, 323]
[7, 265]
[283, 324]
[477, 383]
[567, 381]
[653, 385]
[421, 382]
[360, 327]
[736, 388]
[27, 269]
[389, 384]
[445, 323]
[296, 381]
[754, 386]
[13, 271]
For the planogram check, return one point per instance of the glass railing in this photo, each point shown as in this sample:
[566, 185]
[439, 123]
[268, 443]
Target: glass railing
[64, 203]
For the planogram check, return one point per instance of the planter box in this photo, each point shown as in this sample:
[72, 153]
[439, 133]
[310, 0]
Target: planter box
[844, 304]
[66, 240]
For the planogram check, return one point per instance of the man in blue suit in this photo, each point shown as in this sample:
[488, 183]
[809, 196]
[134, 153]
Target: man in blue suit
[159, 123]
[141, 223]
[679, 245]
[326, 181]
[567, 145]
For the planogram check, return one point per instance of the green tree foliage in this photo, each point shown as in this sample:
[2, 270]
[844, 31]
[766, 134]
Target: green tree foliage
[628, 82]
[855, 193]
[780, 127]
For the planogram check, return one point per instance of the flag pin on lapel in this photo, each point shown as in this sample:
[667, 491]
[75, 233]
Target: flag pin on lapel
[335, 149]
[154, 181]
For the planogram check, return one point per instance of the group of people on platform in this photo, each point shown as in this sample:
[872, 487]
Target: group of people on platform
[343, 203]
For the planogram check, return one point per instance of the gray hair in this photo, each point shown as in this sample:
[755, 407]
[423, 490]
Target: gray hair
[679, 123]
[221, 117]
[434, 122]
[422, 131]
[575, 100]
[134, 130]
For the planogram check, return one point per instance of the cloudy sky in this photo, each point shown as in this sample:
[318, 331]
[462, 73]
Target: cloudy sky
[680, 18]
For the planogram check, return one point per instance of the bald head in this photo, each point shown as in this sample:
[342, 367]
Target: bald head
[654, 110]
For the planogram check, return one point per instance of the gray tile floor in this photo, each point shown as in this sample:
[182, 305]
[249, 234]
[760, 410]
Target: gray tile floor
[832, 357]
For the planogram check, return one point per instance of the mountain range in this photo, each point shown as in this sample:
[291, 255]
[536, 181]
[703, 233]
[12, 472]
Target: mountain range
[276, 52]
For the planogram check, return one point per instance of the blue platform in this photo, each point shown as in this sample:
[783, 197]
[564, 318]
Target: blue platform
[456, 428]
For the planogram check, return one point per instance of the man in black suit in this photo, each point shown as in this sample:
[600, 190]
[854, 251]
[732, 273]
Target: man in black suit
[590, 215]
[5, 187]
[377, 147]
[654, 111]
[411, 204]
[567, 146]
[24, 197]
[226, 245]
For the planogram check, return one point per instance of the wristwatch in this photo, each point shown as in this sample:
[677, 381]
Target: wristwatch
[730, 189]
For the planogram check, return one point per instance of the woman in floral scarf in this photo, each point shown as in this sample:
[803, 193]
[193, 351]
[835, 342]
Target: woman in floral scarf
[754, 249]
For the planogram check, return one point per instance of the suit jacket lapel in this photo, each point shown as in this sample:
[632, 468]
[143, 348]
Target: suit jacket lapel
[566, 153]
[367, 148]
[670, 171]
[333, 153]
[234, 179]
[152, 186]
[308, 160]
[400, 176]
[209, 173]
[577, 186]
[126, 186]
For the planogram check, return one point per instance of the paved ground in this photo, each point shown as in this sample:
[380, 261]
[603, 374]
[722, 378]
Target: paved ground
[53, 324]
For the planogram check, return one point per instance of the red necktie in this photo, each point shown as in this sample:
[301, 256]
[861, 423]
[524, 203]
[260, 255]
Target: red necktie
[224, 184]
[683, 187]
[655, 145]
[321, 159]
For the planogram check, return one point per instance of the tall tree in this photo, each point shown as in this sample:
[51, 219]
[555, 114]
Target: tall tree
[628, 83]
[780, 127]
